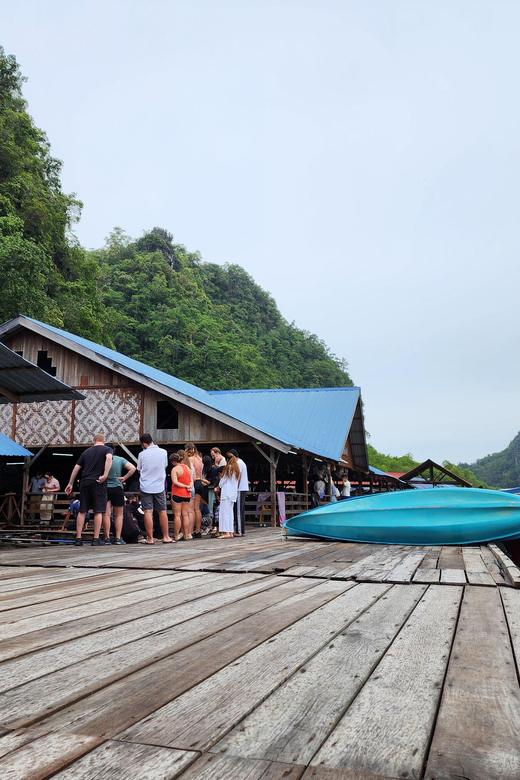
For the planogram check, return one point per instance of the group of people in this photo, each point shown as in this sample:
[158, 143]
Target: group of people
[217, 483]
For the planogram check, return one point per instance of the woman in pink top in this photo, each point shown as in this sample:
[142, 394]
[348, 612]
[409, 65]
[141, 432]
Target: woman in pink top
[181, 494]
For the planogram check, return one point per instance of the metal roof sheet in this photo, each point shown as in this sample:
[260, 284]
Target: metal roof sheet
[316, 420]
[10, 449]
[23, 382]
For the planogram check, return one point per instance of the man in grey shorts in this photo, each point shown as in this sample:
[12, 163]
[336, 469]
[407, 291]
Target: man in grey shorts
[151, 464]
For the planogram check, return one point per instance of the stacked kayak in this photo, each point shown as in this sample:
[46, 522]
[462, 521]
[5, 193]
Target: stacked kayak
[415, 517]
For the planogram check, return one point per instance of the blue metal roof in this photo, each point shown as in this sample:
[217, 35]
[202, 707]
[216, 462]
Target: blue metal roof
[134, 365]
[316, 420]
[10, 449]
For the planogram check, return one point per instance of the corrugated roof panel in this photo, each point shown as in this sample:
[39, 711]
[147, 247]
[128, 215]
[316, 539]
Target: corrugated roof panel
[24, 382]
[316, 420]
[10, 449]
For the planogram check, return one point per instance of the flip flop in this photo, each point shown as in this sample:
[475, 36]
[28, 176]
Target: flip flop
[145, 541]
[167, 541]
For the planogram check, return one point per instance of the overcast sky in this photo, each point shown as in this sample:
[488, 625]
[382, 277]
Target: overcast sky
[359, 158]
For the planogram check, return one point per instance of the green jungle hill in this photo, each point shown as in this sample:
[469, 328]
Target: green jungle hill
[149, 298]
[501, 468]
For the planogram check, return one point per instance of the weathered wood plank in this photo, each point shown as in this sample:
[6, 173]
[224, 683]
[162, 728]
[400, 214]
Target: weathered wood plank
[120, 596]
[480, 578]
[477, 734]
[84, 625]
[507, 567]
[427, 575]
[130, 581]
[493, 566]
[473, 561]
[53, 576]
[406, 568]
[54, 592]
[65, 685]
[211, 767]
[41, 757]
[294, 721]
[328, 773]
[202, 715]
[299, 571]
[387, 728]
[18, 671]
[117, 706]
[450, 558]
[453, 577]
[128, 762]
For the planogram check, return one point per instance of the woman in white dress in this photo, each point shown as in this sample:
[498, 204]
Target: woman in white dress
[228, 487]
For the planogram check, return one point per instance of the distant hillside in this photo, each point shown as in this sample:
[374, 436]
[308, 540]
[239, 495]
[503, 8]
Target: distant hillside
[149, 298]
[404, 463]
[501, 469]
[210, 325]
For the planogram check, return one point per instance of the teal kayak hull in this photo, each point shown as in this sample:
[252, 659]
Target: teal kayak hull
[415, 517]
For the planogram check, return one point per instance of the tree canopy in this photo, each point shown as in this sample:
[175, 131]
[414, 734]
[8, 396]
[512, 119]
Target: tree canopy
[501, 468]
[45, 272]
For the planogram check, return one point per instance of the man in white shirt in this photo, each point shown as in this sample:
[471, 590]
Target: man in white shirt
[243, 489]
[151, 464]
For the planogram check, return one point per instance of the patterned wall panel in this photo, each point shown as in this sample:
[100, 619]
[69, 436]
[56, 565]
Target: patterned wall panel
[6, 419]
[115, 412]
[46, 422]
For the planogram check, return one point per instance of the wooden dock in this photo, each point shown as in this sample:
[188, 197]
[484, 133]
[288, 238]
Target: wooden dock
[259, 659]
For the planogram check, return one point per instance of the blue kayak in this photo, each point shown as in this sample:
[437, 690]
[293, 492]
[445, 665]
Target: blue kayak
[415, 517]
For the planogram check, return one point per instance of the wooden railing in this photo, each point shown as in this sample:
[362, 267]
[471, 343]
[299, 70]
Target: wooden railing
[258, 508]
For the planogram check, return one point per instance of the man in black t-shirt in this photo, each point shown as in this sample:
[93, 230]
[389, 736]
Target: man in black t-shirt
[94, 464]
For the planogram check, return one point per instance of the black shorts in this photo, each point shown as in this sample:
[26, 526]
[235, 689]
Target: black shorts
[180, 500]
[93, 497]
[116, 496]
[199, 487]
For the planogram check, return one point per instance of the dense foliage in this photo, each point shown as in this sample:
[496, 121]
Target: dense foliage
[501, 468]
[210, 325]
[390, 463]
[45, 273]
[150, 298]
[406, 463]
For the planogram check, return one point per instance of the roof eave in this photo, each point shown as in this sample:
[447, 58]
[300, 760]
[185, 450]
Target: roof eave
[19, 322]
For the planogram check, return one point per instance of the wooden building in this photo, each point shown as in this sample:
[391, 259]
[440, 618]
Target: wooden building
[282, 434]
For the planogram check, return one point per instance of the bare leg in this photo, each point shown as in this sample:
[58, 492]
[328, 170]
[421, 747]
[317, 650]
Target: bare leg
[185, 518]
[191, 510]
[176, 509]
[80, 523]
[163, 520]
[148, 524]
[118, 520]
[106, 520]
[98, 519]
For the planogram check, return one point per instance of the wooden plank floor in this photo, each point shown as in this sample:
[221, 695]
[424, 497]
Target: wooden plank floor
[259, 658]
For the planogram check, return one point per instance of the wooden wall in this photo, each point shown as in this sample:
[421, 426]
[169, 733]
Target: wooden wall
[115, 405]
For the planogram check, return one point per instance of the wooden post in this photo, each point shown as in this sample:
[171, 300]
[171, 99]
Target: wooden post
[25, 490]
[272, 474]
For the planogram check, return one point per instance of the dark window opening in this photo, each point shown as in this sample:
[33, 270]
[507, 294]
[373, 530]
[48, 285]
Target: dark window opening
[45, 363]
[18, 352]
[167, 415]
